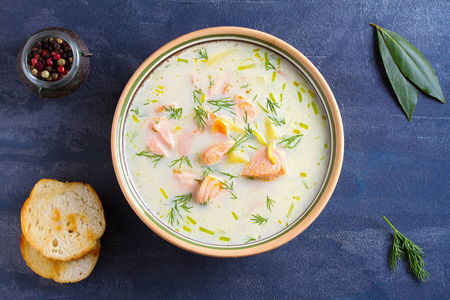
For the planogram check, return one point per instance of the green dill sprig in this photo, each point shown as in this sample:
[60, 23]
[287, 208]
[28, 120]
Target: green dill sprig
[291, 141]
[230, 177]
[172, 217]
[175, 113]
[136, 111]
[245, 86]
[225, 103]
[277, 122]
[203, 54]
[200, 117]
[268, 65]
[269, 203]
[182, 202]
[211, 82]
[207, 171]
[154, 157]
[228, 185]
[250, 239]
[257, 219]
[238, 141]
[180, 160]
[403, 247]
[248, 129]
[198, 96]
[272, 106]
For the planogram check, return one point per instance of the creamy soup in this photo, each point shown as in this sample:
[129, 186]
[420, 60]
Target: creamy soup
[226, 143]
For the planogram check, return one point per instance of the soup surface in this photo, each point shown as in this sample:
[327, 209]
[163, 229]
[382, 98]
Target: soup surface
[226, 143]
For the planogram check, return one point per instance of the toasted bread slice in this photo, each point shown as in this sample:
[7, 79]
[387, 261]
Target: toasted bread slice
[61, 220]
[59, 271]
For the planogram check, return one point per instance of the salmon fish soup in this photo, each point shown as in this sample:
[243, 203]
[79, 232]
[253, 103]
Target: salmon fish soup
[226, 143]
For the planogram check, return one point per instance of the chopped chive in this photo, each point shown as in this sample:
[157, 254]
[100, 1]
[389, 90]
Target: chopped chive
[296, 198]
[251, 147]
[274, 75]
[284, 86]
[303, 174]
[255, 50]
[187, 228]
[224, 238]
[296, 131]
[304, 183]
[245, 67]
[250, 239]
[146, 103]
[160, 92]
[161, 87]
[135, 118]
[265, 110]
[303, 90]
[163, 193]
[300, 98]
[325, 146]
[322, 158]
[244, 86]
[296, 83]
[154, 100]
[290, 210]
[191, 220]
[312, 94]
[314, 106]
[278, 61]
[206, 230]
[182, 60]
[303, 125]
[279, 221]
[272, 97]
[234, 215]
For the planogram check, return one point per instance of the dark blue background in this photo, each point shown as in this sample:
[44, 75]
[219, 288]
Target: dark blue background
[391, 167]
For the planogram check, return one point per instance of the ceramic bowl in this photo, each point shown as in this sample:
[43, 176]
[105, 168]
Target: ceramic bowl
[311, 74]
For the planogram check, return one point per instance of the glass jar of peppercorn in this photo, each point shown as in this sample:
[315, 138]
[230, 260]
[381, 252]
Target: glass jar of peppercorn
[53, 62]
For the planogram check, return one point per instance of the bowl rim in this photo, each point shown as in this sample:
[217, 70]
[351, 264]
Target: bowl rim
[327, 99]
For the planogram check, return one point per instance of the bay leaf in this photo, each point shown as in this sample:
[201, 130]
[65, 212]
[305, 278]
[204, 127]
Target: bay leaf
[412, 63]
[405, 91]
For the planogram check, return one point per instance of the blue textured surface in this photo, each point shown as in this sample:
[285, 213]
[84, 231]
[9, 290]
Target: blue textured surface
[391, 167]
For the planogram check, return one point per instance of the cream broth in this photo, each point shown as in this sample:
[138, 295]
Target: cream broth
[164, 147]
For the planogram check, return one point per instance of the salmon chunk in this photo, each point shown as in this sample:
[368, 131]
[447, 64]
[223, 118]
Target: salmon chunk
[155, 146]
[216, 151]
[245, 106]
[161, 125]
[261, 166]
[209, 189]
[185, 179]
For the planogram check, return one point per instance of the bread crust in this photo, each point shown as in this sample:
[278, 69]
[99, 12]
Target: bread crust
[61, 220]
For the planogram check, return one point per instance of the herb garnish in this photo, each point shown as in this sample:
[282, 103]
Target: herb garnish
[244, 86]
[257, 219]
[198, 94]
[407, 70]
[154, 157]
[175, 113]
[267, 63]
[248, 129]
[269, 203]
[223, 103]
[288, 141]
[272, 106]
[204, 54]
[238, 140]
[180, 161]
[180, 201]
[250, 239]
[207, 171]
[136, 111]
[228, 185]
[403, 247]
[210, 81]
[229, 175]
[277, 122]
[200, 116]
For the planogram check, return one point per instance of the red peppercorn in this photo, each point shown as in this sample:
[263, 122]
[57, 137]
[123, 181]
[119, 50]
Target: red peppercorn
[39, 66]
[49, 61]
[34, 61]
[60, 69]
[44, 52]
[37, 56]
[56, 56]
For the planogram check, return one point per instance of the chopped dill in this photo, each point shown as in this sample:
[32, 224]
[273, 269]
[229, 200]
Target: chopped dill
[257, 219]
[269, 203]
[228, 185]
[230, 177]
[250, 239]
[207, 171]
[277, 122]
[180, 201]
[200, 116]
[267, 63]
[211, 82]
[272, 106]
[203, 54]
[238, 140]
[248, 129]
[244, 86]
[175, 113]
[171, 217]
[290, 142]
[180, 161]
[197, 96]
[223, 103]
[136, 111]
[154, 157]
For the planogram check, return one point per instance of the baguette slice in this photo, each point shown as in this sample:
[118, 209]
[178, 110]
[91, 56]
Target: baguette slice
[59, 271]
[61, 220]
